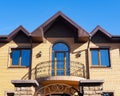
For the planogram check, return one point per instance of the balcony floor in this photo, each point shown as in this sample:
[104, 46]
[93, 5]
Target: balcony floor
[71, 80]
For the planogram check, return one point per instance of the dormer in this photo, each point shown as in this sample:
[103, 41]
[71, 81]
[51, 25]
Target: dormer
[19, 35]
[99, 35]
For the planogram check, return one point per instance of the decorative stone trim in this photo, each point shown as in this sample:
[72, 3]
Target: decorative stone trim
[91, 81]
[25, 87]
[91, 87]
[25, 82]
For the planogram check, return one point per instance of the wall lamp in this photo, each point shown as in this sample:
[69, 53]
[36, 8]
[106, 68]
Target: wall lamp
[78, 55]
[38, 54]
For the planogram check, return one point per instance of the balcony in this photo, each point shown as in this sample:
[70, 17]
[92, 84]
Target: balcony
[46, 69]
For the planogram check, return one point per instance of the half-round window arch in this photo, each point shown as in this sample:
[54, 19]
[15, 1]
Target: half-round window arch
[60, 46]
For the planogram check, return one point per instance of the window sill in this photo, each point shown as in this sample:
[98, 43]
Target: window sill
[100, 67]
[18, 67]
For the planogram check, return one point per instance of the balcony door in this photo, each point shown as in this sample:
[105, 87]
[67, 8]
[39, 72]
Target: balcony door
[60, 60]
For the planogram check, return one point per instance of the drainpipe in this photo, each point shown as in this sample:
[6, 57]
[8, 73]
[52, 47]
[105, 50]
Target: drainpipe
[88, 61]
[30, 67]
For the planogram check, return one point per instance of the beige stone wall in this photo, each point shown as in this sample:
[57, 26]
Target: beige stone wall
[46, 50]
[111, 76]
[7, 74]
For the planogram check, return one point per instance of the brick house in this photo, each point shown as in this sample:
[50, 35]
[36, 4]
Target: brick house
[59, 58]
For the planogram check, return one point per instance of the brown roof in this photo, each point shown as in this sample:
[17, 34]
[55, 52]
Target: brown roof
[40, 30]
[9, 37]
[112, 38]
[38, 34]
[15, 32]
[102, 30]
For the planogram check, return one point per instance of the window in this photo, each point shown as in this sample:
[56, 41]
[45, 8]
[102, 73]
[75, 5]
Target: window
[108, 94]
[20, 57]
[100, 57]
[60, 58]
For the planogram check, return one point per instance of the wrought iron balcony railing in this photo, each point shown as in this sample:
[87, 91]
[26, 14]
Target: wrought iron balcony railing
[50, 68]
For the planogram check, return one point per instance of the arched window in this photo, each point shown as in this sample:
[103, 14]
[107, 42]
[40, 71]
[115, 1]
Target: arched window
[60, 59]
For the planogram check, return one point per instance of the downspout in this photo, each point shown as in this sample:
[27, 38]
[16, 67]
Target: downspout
[88, 61]
[30, 67]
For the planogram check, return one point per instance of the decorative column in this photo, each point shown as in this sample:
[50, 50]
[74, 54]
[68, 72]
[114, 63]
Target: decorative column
[91, 87]
[25, 87]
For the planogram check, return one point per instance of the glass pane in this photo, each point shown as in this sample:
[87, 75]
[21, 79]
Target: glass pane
[15, 57]
[60, 47]
[25, 58]
[60, 60]
[104, 57]
[94, 54]
[67, 64]
[60, 72]
[53, 73]
[53, 59]
[106, 94]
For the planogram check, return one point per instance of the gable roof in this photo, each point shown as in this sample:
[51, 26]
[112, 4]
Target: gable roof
[38, 34]
[99, 28]
[58, 14]
[41, 29]
[15, 32]
[9, 37]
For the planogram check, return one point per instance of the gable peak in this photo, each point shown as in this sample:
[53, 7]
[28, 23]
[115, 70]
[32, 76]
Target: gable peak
[99, 28]
[16, 31]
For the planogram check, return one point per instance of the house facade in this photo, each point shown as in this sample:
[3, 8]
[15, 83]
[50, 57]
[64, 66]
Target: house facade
[59, 58]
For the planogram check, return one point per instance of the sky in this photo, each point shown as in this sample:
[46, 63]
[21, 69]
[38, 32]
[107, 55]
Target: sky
[86, 13]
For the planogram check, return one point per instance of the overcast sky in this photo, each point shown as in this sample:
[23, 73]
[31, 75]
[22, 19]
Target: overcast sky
[86, 13]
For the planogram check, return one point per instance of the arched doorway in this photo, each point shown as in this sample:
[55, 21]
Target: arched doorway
[57, 89]
[60, 59]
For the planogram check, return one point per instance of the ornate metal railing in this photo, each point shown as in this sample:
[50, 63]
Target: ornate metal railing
[44, 69]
